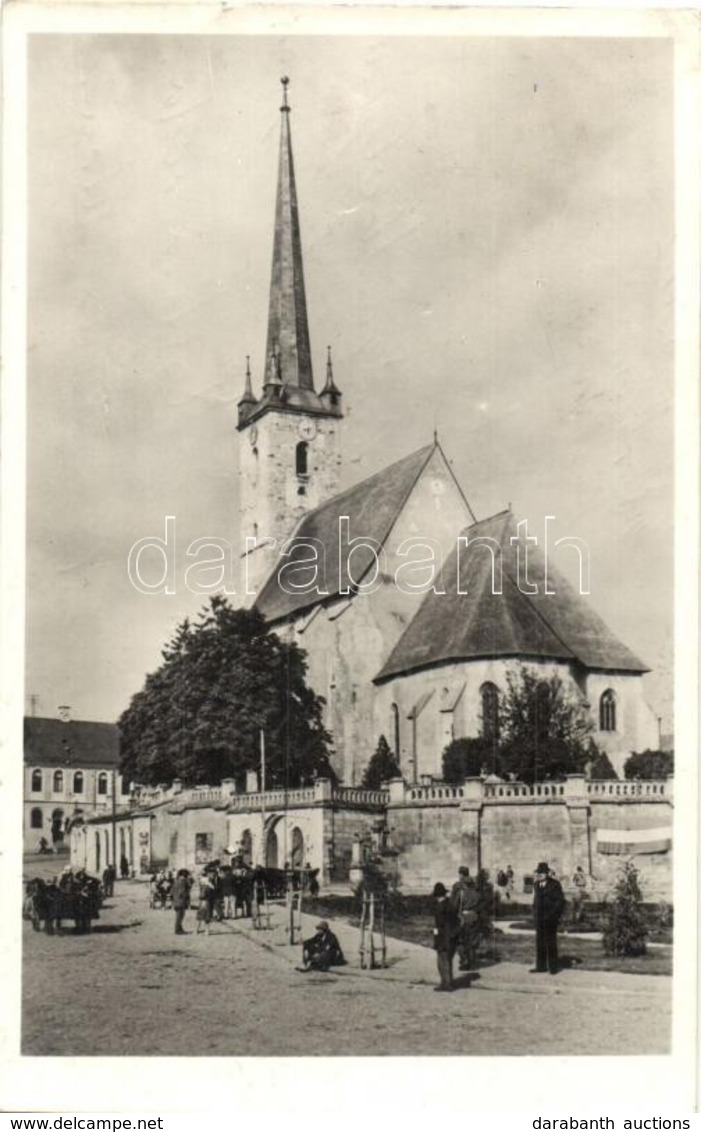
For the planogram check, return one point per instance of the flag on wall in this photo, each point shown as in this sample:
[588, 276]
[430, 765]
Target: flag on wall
[630, 842]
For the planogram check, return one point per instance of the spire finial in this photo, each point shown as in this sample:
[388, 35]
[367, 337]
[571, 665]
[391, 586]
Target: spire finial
[285, 83]
[435, 434]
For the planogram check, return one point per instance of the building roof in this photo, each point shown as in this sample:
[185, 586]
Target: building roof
[479, 623]
[372, 508]
[78, 743]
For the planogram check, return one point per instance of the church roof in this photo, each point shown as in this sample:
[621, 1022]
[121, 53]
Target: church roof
[479, 623]
[77, 743]
[372, 508]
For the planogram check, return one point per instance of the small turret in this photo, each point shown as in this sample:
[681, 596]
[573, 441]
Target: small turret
[330, 395]
[247, 402]
[273, 381]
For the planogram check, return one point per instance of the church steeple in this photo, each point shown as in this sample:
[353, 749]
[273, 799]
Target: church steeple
[288, 329]
[290, 450]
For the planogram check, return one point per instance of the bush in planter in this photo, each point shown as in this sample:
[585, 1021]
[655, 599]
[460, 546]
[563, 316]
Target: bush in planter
[624, 930]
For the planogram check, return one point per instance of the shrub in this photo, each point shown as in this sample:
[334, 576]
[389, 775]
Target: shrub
[469, 758]
[646, 765]
[625, 930]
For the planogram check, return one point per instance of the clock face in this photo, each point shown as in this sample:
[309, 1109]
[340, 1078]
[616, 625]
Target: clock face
[307, 429]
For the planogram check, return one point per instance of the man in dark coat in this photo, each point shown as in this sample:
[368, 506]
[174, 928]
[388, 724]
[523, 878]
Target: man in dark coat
[323, 950]
[548, 906]
[445, 935]
[181, 899]
[464, 898]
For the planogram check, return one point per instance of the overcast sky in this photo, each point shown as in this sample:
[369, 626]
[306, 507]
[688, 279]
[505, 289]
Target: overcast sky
[487, 231]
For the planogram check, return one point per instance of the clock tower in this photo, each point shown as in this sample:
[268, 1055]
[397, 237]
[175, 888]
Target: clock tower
[289, 450]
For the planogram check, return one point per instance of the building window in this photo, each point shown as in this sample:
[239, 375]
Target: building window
[124, 787]
[394, 731]
[58, 782]
[301, 458]
[204, 846]
[607, 711]
[102, 783]
[37, 781]
[78, 782]
[490, 711]
[37, 819]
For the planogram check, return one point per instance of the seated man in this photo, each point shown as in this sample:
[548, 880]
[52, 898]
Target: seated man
[322, 950]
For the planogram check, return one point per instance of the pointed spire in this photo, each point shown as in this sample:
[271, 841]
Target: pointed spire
[330, 386]
[330, 395]
[287, 316]
[247, 397]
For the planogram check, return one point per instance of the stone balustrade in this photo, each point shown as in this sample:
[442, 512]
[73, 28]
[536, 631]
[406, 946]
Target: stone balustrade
[574, 787]
[664, 788]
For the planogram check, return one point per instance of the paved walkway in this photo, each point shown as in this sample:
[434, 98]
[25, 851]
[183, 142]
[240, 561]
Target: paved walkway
[134, 988]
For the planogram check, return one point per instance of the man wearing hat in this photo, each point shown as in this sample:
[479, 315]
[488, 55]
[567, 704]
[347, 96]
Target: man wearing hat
[548, 906]
[323, 950]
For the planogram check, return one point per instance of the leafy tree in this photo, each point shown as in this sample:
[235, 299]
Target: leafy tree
[545, 727]
[382, 766]
[625, 931]
[222, 679]
[646, 765]
[469, 758]
[600, 766]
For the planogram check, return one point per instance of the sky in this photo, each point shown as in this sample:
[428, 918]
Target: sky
[487, 227]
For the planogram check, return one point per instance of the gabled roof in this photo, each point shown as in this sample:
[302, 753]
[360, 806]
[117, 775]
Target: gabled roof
[78, 743]
[372, 508]
[479, 623]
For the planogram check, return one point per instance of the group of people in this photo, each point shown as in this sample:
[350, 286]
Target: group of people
[457, 920]
[222, 892]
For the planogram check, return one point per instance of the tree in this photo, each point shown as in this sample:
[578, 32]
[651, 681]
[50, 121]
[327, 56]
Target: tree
[382, 766]
[222, 680]
[469, 758]
[545, 727]
[600, 766]
[625, 931]
[646, 765]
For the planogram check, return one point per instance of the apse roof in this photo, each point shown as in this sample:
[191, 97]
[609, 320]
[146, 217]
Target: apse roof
[481, 623]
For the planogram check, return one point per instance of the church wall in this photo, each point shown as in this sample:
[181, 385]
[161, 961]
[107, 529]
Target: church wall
[434, 724]
[636, 725]
[435, 510]
[346, 647]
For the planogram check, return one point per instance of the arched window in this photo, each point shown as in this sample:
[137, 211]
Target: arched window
[297, 854]
[247, 846]
[301, 458]
[607, 711]
[58, 781]
[78, 782]
[37, 819]
[37, 781]
[490, 711]
[394, 731]
[102, 783]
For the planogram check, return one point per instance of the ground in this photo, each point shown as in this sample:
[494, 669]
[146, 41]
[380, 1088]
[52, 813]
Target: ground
[134, 988]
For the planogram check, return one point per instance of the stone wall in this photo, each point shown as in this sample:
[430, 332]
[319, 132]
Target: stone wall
[437, 828]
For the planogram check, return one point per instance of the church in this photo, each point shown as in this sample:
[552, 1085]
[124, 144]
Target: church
[412, 612]
[411, 609]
